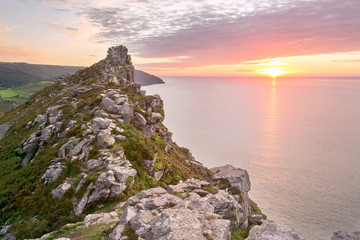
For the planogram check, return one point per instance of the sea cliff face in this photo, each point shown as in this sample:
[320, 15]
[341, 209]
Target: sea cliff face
[89, 158]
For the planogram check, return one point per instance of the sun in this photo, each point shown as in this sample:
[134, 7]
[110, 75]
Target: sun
[273, 72]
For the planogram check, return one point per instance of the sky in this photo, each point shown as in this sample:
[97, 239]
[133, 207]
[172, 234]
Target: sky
[188, 37]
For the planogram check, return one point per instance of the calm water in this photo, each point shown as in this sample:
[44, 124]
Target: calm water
[299, 140]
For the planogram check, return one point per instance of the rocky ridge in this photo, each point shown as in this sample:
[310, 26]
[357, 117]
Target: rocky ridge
[94, 151]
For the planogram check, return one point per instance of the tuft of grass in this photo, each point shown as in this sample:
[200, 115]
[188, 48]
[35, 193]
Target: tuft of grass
[239, 234]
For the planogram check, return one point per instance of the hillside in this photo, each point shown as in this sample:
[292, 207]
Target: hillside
[40, 71]
[89, 158]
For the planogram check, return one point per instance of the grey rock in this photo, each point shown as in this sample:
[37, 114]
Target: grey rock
[102, 123]
[60, 190]
[142, 92]
[108, 104]
[101, 113]
[80, 91]
[158, 175]
[64, 101]
[4, 230]
[239, 181]
[187, 224]
[80, 207]
[39, 119]
[110, 219]
[77, 149]
[148, 130]
[93, 163]
[340, 235]
[53, 172]
[269, 230]
[139, 120]
[156, 117]
[104, 138]
[117, 232]
[156, 103]
[120, 137]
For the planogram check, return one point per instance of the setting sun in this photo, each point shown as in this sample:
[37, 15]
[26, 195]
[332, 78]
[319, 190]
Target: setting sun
[273, 72]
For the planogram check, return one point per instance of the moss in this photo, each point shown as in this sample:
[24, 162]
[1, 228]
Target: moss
[239, 234]
[130, 233]
[211, 189]
[255, 209]
[160, 110]
[129, 180]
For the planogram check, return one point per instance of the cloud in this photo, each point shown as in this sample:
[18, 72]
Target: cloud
[219, 32]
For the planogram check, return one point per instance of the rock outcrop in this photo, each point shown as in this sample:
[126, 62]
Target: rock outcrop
[341, 235]
[270, 230]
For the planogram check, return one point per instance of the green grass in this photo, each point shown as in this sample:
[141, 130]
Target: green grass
[239, 234]
[24, 91]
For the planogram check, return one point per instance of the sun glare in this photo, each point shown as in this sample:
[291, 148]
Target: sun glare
[273, 72]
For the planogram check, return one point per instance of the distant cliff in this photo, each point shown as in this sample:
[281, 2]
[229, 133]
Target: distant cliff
[144, 78]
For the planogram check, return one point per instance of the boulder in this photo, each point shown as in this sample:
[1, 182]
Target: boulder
[156, 117]
[60, 190]
[53, 172]
[239, 181]
[139, 120]
[108, 104]
[110, 219]
[269, 230]
[340, 235]
[104, 138]
[188, 224]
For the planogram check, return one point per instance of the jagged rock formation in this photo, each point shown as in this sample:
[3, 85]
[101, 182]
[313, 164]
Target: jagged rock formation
[340, 235]
[94, 141]
[271, 230]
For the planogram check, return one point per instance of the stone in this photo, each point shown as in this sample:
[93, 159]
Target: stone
[64, 101]
[60, 190]
[77, 149]
[80, 207]
[139, 120]
[108, 104]
[117, 232]
[269, 230]
[102, 123]
[93, 163]
[101, 113]
[79, 91]
[239, 181]
[110, 219]
[156, 117]
[53, 172]
[104, 138]
[120, 137]
[39, 119]
[149, 130]
[187, 224]
[340, 235]
[142, 92]
[156, 103]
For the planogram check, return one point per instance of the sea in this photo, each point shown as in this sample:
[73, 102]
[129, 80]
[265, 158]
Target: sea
[299, 139]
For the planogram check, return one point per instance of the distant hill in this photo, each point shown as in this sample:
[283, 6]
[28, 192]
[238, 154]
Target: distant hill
[41, 71]
[12, 77]
[144, 78]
